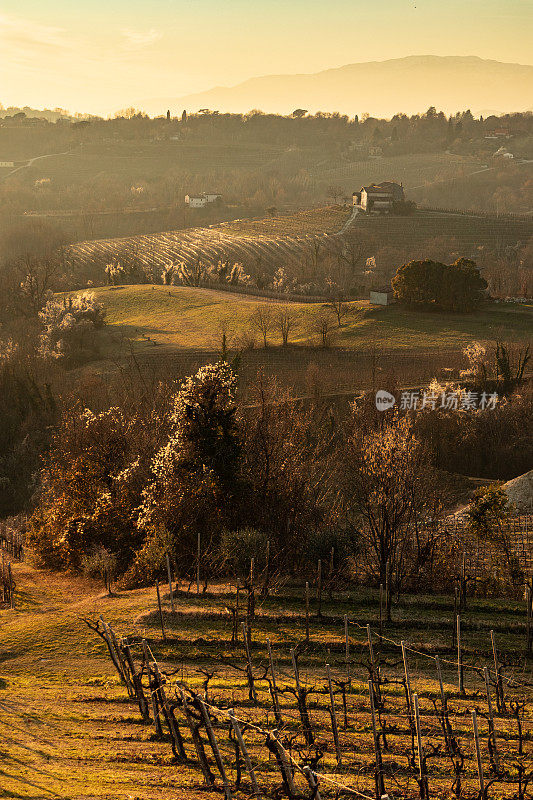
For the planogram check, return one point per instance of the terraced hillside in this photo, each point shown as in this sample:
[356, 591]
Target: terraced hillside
[252, 243]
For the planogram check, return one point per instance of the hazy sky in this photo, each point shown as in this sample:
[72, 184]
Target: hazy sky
[102, 55]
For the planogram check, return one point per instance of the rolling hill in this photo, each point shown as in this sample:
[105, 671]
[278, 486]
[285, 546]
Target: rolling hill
[409, 85]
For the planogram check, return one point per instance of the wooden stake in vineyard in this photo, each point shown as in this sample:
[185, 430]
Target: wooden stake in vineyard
[500, 696]
[245, 755]
[380, 784]
[214, 745]
[481, 777]
[252, 694]
[198, 554]
[347, 647]
[529, 616]
[460, 669]
[170, 590]
[313, 783]
[275, 698]
[493, 746]
[422, 772]
[307, 612]
[333, 715]
[319, 588]
[160, 610]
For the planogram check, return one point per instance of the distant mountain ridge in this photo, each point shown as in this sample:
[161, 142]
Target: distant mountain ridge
[381, 88]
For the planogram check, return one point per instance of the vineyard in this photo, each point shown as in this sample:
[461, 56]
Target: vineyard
[264, 687]
[265, 242]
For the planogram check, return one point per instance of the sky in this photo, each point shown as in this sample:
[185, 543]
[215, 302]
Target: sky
[99, 56]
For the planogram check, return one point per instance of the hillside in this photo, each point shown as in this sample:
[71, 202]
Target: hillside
[188, 318]
[268, 241]
[409, 85]
[69, 730]
[264, 245]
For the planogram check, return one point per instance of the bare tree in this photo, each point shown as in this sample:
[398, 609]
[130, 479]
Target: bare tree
[285, 321]
[323, 326]
[391, 483]
[335, 192]
[262, 321]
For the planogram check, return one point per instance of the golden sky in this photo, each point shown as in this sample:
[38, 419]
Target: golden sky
[101, 56]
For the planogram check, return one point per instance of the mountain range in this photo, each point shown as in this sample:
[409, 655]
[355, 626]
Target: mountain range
[380, 88]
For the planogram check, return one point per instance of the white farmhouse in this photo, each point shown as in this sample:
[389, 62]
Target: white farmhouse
[196, 200]
[379, 198]
[201, 200]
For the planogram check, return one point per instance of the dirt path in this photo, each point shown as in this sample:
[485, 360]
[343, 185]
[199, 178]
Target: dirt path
[33, 160]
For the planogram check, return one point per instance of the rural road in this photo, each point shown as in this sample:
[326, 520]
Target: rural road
[349, 221]
[32, 161]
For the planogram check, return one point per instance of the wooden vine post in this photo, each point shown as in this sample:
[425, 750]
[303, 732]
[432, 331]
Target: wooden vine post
[347, 647]
[307, 612]
[152, 688]
[252, 694]
[160, 610]
[214, 746]
[333, 715]
[378, 775]
[478, 757]
[198, 556]
[493, 746]
[275, 698]
[276, 748]
[500, 696]
[197, 739]
[170, 590]
[245, 754]
[422, 773]
[313, 783]
[319, 588]
[460, 669]
[529, 618]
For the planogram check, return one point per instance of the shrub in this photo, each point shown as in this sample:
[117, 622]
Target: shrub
[69, 324]
[446, 287]
[237, 548]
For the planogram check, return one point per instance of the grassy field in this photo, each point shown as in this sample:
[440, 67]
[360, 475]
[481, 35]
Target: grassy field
[68, 729]
[188, 318]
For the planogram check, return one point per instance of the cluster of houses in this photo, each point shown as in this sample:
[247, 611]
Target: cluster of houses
[201, 200]
[379, 198]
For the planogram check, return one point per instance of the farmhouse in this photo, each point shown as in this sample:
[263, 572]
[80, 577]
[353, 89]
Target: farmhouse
[201, 200]
[379, 198]
[503, 153]
[196, 200]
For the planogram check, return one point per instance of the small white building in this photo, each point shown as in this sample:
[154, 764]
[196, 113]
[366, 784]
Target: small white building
[7, 163]
[381, 297]
[196, 200]
[201, 200]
